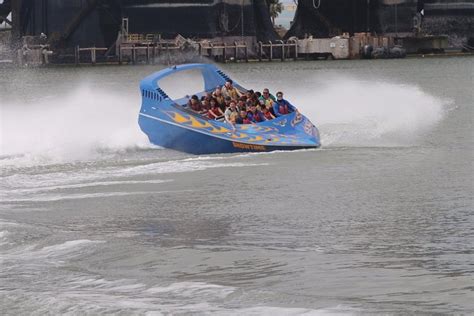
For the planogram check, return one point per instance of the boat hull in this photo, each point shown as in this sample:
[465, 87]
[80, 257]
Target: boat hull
[167, 135]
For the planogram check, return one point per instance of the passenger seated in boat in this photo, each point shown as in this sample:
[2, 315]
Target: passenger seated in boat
[281, 106]
[231, 112]
[268, 115]
[205, 104]
[241, 105]
[228, 90]
[215, 112]
[268, 105]
[227, 102]
[194, 104]
[261, 105]
[243, 118]
[248, 104]
[220, 99]
[255, 115]
[267, 98]
[249, 94]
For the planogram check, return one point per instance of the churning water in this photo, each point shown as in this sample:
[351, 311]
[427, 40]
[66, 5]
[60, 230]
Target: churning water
[94, 219]
[86, 122]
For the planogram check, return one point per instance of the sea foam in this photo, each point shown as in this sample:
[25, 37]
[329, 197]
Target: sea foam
[80, 125]
[357, 114]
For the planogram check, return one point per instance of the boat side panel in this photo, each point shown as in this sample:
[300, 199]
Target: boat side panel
[272, 134]
[174, 137]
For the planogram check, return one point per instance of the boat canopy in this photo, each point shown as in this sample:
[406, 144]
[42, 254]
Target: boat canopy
[212, 76]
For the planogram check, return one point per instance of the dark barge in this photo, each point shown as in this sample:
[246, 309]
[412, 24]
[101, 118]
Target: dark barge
[63, 26]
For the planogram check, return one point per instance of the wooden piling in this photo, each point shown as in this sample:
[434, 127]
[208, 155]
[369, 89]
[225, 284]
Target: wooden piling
[77, 55]
[147, 54]
[153, 54]
[282, 50]
[271, 51]
[225, 53]
[296, 49]
[120, 54]
[93, 55]
[134, 55]
[236, 52]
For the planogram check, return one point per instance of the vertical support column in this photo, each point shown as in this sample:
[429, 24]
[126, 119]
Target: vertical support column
[16, 23]
[282, 50]
[147, 55]
[296, 49]
[134, 54]
[246, 52]
[153, 54]
[125, 27]
[368, 16]
[45, 53]
[271, 50]
[236, 51]
[260, 51]
[93, 55]
[120, 54]
[20, 57]
[158, 49]
[396, 19]
[225, 53]
[77, 55]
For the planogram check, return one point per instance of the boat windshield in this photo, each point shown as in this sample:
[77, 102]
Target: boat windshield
[183, 83]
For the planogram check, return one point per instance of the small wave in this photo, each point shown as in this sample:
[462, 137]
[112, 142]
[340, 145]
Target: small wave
[91, 295]
[81, 196]
[7, 224]
[4, 237]
[66, 247]
[32, 256]
[84, 175]
[288, 311]
[88, 185]
[17, 187]
[183, 166]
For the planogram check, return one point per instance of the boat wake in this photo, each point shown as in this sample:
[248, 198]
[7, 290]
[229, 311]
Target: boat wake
[359, 114]
[91, 124]
[83, 292]
[82, 125]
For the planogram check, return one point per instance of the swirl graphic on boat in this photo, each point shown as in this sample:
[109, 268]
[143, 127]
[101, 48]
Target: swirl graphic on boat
[298, 118]
[269, 133]
[309, 128]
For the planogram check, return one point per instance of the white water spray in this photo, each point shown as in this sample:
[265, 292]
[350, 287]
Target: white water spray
[354, 113]
[77, 126]
[87, 122]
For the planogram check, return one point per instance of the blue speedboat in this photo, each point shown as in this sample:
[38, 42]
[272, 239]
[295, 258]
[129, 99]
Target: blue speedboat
[169, 123]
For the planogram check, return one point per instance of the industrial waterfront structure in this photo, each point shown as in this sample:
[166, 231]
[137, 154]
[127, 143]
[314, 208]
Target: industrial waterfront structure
[453, 18]
[112, 28]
